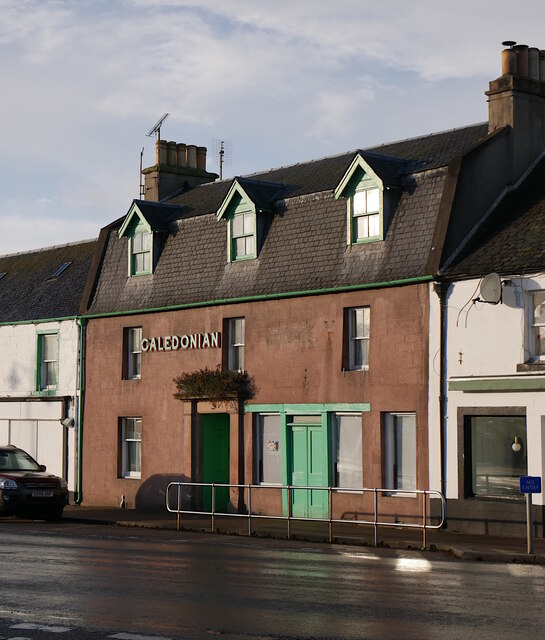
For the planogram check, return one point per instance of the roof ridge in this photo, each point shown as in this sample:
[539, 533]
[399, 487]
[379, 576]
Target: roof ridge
[43, 249]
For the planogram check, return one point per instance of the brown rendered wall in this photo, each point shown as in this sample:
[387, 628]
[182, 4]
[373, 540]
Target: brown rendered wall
[293, 348]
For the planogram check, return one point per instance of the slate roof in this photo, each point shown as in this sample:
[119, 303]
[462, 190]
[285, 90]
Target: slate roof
[158, 215]
[512, 240]
[28, 292]
[304, 248]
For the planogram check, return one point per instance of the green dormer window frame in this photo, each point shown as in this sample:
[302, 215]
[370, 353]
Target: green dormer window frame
[242, 225]
[140, 243]
[364, 193]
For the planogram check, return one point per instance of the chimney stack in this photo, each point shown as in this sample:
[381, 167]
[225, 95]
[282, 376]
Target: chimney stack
[177, 166]
[517, 99]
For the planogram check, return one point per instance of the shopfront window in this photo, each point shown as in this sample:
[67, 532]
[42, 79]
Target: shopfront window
[347, 452]
[269, 455]
[495, 454]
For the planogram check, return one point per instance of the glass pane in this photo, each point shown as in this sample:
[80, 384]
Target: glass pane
[133, 457]
[539, 307]
[248, 223]
[358, 322]
[539, 333]
[240, 247]
[146, 262]
[359, 203]
[139, 262]
[238, 226]
[372, 200]
[49, 343]
[237, 331]
[146, 241]
[137, 242]
[495, 467]
[249, 245]
[135, 339]
[348, 454]
[271, 457]
[363, 227]
[50, 369]
[374, 225]
[305, 420]
[405, 446]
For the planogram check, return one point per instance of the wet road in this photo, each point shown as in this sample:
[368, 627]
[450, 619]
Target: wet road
[78, 581]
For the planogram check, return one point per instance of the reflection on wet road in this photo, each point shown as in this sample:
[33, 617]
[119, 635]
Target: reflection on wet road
[105, 582]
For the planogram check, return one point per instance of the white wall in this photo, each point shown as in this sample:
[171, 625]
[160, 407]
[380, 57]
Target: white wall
[35, 426]
[483, 341]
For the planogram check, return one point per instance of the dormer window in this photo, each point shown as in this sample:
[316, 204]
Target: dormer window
[243, 241]
[365, 214]
[370, 185]
[140, 248]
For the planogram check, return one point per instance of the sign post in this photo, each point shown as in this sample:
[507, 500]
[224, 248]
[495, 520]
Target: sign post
[529, 485]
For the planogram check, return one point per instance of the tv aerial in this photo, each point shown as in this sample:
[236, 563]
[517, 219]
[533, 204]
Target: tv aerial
[156, 129]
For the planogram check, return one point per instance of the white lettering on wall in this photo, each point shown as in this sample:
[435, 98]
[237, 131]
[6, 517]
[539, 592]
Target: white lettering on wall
[185, 342]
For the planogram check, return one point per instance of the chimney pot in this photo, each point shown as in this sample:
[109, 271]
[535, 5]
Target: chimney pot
[508, 62]
[521, 51]
[533, 63]
[171, 153]
[542, 66]
[201, 158]
[191, 156]
[181, 155]
[161, 152]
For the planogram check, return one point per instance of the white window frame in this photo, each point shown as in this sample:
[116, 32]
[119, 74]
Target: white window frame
[367, 213]
[41, 378]
[235, 347]
[135, 251]
[335, 428]
[533, 326]
[134, 352]
[260, 444]
[125, 471]
[354, 338]
[391, 458]
[243, 217]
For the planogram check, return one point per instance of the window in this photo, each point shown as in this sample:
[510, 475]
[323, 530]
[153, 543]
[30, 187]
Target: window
[268, 454]
[132, 341]
[495, 454]
[243, 236]
[131, 445]
[537, 337]
[60, 269]
[236, 344]
[365, 214]
[140, 248]
[46, 375]
[358, 338]
[347, 451]
[400, 451]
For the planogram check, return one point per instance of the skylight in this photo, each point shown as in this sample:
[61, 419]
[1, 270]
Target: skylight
[2, 274]
[62, 268]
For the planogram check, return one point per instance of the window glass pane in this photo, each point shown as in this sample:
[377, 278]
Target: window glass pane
[238, 226]
[305, 420]
[49, 343]
[495, 467]
[539, 307]
[249, 245]
[400, 451]
[359, 203]
[248, 223]
[137, 242]
[240, 247]
[363, 227]
[50, 374]
[270, 467]
[133, 457]
[348, 453]
[146, 262]
[539, 334]
[372, 200]
[374, 225]
[146, 241]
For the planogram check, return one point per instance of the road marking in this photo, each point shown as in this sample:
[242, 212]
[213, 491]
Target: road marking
[40, 627]
[136, 636]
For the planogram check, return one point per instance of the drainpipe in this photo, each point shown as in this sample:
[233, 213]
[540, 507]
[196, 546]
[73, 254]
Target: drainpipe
[441, 288]
[82, 325]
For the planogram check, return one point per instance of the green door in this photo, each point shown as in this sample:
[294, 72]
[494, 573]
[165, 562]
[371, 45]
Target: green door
[215, 459]
[308, 448]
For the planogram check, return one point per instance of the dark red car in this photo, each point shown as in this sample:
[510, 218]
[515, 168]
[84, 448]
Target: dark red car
[27, 489]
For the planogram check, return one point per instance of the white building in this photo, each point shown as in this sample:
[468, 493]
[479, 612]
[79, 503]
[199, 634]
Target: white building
[40, 337]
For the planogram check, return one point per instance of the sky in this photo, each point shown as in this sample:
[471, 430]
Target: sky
[281, 82]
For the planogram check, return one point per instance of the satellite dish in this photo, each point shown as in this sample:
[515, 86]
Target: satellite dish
[491, 288]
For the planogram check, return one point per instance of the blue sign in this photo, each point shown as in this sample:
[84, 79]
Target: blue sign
[530, 484]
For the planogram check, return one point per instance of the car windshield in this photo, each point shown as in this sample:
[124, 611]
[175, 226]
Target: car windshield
[17, 460]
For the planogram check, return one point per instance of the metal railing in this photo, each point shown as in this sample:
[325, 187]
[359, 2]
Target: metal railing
[288, 492]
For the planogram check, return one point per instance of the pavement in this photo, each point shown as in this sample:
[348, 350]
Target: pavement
[464, 546]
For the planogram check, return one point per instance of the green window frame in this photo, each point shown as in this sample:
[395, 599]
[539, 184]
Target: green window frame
[365, 213]
[47, 362]
[140, 250]
[243, 236]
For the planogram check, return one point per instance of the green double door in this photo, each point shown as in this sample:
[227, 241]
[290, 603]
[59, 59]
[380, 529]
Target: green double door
[215, 459]
[308, 466]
